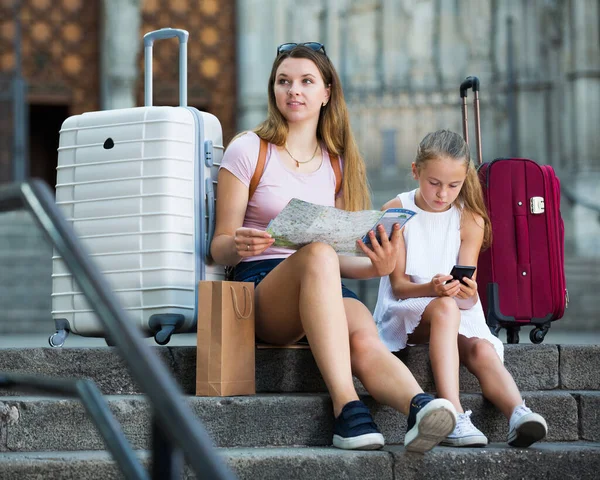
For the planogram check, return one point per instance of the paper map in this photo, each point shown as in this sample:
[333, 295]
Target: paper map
[301, 223]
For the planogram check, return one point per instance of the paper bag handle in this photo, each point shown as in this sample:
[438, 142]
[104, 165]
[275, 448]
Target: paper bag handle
[235, 303]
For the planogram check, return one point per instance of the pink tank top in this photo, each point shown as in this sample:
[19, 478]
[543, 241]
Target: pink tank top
[277, 186]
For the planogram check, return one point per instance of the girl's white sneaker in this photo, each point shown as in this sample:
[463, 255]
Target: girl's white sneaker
[525, 427]
[465, 434]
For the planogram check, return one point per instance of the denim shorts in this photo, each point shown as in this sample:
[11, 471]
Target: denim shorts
[256, 271]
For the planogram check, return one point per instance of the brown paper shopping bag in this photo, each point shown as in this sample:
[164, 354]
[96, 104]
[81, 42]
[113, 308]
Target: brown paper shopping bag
[226, 345]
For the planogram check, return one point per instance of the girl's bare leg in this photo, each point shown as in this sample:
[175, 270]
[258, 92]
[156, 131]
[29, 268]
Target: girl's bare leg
[497, 384]
[303, 295]
[439, 325]
[385, 377]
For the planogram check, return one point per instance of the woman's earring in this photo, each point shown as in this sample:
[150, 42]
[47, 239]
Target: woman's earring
[324, 104]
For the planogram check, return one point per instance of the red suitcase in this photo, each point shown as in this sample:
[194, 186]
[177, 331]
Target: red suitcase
[521, 277]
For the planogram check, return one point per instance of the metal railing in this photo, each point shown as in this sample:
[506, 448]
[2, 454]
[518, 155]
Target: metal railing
[95, 406]
[175, 430]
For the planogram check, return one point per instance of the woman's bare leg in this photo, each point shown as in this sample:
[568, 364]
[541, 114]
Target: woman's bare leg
[439, 325]
[383, 374]
[497, 384]
[303, 295]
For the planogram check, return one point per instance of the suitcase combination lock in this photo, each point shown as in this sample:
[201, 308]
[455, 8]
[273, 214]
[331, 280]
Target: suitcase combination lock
[536, 205]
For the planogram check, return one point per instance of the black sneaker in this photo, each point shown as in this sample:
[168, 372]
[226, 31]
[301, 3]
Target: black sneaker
[355, 429]
[430, 420]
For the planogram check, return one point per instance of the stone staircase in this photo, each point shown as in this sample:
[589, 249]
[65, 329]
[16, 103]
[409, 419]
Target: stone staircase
[25, 275]
[285, 430]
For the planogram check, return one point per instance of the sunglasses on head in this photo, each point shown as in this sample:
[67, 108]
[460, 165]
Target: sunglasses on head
[288, 47]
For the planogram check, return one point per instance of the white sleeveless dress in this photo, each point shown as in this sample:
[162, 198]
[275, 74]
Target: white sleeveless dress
[432, 245]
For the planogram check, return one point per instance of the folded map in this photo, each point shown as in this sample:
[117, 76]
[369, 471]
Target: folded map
[301, 223]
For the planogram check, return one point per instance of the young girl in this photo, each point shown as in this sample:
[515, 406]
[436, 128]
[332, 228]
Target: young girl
[307, 135]
[419, 302]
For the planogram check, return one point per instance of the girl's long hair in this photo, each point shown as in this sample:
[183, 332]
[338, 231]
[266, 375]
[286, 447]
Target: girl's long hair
[333, 128]
[445, 143]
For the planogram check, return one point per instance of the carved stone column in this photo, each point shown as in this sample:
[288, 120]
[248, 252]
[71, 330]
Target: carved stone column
[476, 25]
[421, 46]
[121, 42]
[362, 59]
[396, 61]
[584, 156]
[258, 33]
[584, 74]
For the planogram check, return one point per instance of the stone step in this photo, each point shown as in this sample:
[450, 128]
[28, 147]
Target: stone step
[24, 317]
[28, 238]
[46, 424]
[534, 367]
[551, 460]
[25, 295]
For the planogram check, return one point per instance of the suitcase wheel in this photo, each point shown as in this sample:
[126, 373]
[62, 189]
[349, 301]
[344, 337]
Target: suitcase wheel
[537, 335]
[164, 325]
[57, 340]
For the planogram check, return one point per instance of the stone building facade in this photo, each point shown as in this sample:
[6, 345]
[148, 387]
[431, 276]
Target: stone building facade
[402, 61]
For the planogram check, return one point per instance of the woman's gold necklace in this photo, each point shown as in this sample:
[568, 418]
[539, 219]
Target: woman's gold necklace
[298, 162]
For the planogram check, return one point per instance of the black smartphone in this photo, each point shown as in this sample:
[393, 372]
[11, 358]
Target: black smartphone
[460, 271]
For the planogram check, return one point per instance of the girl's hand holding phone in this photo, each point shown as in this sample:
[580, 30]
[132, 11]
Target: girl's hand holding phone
[469, 290]
[444, 286]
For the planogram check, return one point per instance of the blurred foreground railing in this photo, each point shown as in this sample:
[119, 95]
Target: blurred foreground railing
[175, 429]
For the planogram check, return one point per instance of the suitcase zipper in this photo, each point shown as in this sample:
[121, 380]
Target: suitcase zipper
[555, 232]
[551, 240]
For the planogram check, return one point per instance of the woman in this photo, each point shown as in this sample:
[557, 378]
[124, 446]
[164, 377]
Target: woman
[300, 293]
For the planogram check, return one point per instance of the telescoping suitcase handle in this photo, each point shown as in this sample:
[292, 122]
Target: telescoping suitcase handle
[471, 82]
[149, 39]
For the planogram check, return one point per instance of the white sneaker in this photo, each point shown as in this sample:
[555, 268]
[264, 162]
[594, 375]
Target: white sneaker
[525, 427]
[465, 434]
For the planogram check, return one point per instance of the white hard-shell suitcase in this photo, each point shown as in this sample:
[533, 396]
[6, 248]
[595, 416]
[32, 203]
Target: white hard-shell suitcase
[137, 186]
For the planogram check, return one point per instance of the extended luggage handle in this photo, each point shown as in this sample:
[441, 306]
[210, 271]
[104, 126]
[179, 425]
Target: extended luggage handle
[471, 82]
[161, 34]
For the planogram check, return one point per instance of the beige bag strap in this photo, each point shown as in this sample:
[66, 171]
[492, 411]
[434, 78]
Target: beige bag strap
[235, 302]
[260, 168]
[335, 164]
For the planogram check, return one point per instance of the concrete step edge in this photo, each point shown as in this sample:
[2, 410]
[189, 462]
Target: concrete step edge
[285, 370]
[270, 420]
[551, 460]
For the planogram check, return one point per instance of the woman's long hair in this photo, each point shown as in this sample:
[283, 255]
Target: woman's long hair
[333, 127]
[445, 143]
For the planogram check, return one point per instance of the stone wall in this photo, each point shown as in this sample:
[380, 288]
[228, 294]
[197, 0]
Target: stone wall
[402, 61]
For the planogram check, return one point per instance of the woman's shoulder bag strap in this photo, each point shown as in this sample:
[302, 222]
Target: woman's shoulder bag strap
[335, 164]
[260, 168]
